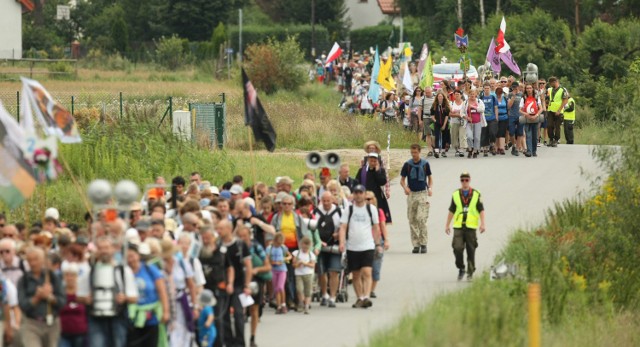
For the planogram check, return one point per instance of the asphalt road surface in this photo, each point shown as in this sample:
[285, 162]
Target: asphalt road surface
[517, 192]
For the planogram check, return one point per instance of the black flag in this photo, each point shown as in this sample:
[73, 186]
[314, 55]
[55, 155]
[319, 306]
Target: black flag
[256, 117]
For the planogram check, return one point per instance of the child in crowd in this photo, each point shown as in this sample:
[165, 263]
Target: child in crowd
[206, 329]
[304, 263]
[279, 255]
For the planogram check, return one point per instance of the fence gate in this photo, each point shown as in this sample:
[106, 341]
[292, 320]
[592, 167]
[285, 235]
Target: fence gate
[208, 123]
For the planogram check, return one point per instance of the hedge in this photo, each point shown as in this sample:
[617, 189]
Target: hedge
[259, 34]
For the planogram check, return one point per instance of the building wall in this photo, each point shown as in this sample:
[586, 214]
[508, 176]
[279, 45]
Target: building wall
[364, 13]
[10, 29]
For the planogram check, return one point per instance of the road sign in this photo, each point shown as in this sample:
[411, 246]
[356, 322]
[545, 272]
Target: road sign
[63, 12]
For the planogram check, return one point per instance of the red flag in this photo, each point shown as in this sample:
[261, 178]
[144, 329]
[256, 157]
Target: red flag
[334, 53]
[501, 44]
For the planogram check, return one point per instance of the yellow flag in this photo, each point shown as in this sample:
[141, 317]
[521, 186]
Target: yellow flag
[407, 51]
[426, 80]
[384, 77]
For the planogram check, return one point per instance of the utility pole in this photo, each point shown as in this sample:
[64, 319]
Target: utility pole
[577, 17]
[313, 28]
[482, 13]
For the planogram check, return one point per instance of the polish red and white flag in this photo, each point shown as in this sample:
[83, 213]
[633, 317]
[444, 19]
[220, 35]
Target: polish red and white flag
[501, 44]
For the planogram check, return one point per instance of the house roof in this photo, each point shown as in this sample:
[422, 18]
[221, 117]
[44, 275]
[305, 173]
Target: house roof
[27, 5]
[389, 7]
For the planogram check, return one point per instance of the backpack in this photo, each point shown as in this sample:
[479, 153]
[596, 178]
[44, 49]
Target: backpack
[326, 226]
[256, 261]
[351, 214]
[117, 309]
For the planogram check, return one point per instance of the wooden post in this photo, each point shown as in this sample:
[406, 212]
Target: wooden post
[534, 314]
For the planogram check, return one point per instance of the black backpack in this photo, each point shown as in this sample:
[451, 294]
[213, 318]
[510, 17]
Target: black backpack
[368, 206]
[326, 226]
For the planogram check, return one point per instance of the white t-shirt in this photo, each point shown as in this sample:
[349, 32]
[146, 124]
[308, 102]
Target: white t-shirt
[360, 229]
[305, 258]
[179, 274]
[456, 107]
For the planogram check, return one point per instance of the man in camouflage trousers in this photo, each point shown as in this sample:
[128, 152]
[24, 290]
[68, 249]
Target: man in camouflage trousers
[417, 184]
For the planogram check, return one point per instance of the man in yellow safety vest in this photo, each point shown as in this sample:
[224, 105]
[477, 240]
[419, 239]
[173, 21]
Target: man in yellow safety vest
[467, 213]
[558, 98]
[569, 120]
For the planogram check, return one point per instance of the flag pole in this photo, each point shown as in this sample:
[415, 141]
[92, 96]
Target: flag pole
[76, 184]
[253, 164]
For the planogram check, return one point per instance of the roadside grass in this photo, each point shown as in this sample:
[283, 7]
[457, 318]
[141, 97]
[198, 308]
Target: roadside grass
[584, 256]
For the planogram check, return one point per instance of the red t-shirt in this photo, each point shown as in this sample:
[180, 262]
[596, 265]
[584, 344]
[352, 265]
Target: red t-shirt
[73, 317]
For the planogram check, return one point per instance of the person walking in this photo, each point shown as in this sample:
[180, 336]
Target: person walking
[490, 132]
[458, 123]
[558, 98]
[569, 120]
[530, 108]
[440, 110]
[375, 176]
[360, 238]
[516, 130]
[417, 184]
[467, 212]
[473, 110]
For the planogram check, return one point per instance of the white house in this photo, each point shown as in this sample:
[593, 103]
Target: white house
[365, 13]
[11, 27]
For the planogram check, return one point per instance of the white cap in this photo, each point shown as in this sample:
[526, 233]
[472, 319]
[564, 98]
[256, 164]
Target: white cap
[52, 212]
[68, 267]
[236, 189]
[214, 190]
[250, 201]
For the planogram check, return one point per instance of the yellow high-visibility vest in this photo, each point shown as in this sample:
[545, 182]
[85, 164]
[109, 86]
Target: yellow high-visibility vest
[570, 115]
[555, 100]
[472, 213]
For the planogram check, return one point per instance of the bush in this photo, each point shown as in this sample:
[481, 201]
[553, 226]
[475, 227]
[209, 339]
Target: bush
[170, 52]
[275, 65]
[218, 38]
[253, 34]
[61, 70]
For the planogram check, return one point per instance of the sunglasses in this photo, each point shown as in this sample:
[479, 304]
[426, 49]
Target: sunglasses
[503, 81]
[464, 180]
[369, 199]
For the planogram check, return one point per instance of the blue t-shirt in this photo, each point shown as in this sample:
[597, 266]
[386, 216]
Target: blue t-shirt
[204, 315]
[276, 254]
[147, 293]
[514, 111]
[502, 109]
[416, 185]
[490, 102]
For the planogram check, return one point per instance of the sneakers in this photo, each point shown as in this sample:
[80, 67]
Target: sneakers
[423, 249]
[366, 303]
[444, 154]
[415, 250]
[323, 302]
[540, 144]
[535, 154]
[461, 154]
[475, 155]
[470, 154]
[436, 155]
[358, 304]
[469, 277]
[300, 308]
[430, 154]
[373, 295]
[460, 274]
[486, 153]
[306, 309]
[517, 153]
[514, 150]
[527, 154]
[281, 310]
[331, 304]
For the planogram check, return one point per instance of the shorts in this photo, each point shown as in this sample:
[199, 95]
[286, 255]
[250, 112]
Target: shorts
[502, 128]
[329, 262]
[356, 260]
[304, 284]
[544, 122]
[258, 298]
[426, 122]
[515, 128]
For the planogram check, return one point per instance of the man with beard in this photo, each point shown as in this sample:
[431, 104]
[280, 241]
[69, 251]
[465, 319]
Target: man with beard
[106, 290]
[216, 269]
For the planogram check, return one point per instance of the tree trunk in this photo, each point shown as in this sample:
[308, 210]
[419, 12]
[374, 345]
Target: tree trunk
[577, 17]
[482, 13]
[460, 13]
[38, 16]
[497, 7]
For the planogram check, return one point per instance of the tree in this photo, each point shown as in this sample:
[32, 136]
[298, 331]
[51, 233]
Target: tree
[196, 19]
[329, 13]
[120, 35]
[218, 38]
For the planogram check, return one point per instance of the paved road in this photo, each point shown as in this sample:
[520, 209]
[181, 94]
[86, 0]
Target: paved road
[516, 192]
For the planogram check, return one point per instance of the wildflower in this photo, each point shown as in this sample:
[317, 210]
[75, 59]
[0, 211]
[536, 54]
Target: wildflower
[604, 286]
[579, 281]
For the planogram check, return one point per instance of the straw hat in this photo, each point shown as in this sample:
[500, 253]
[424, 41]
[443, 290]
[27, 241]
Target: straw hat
[372, 143]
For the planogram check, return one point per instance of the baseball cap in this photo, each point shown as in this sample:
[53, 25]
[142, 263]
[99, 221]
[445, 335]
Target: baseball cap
[52, 212]
[285, 180]
[236, 189]
[359, 188]
[135, 206]
[372, 155]
[144, 224]
[215, 190]
[515, 84]
[465, 174]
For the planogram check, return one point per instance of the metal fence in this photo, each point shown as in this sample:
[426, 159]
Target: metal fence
[210, 117]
